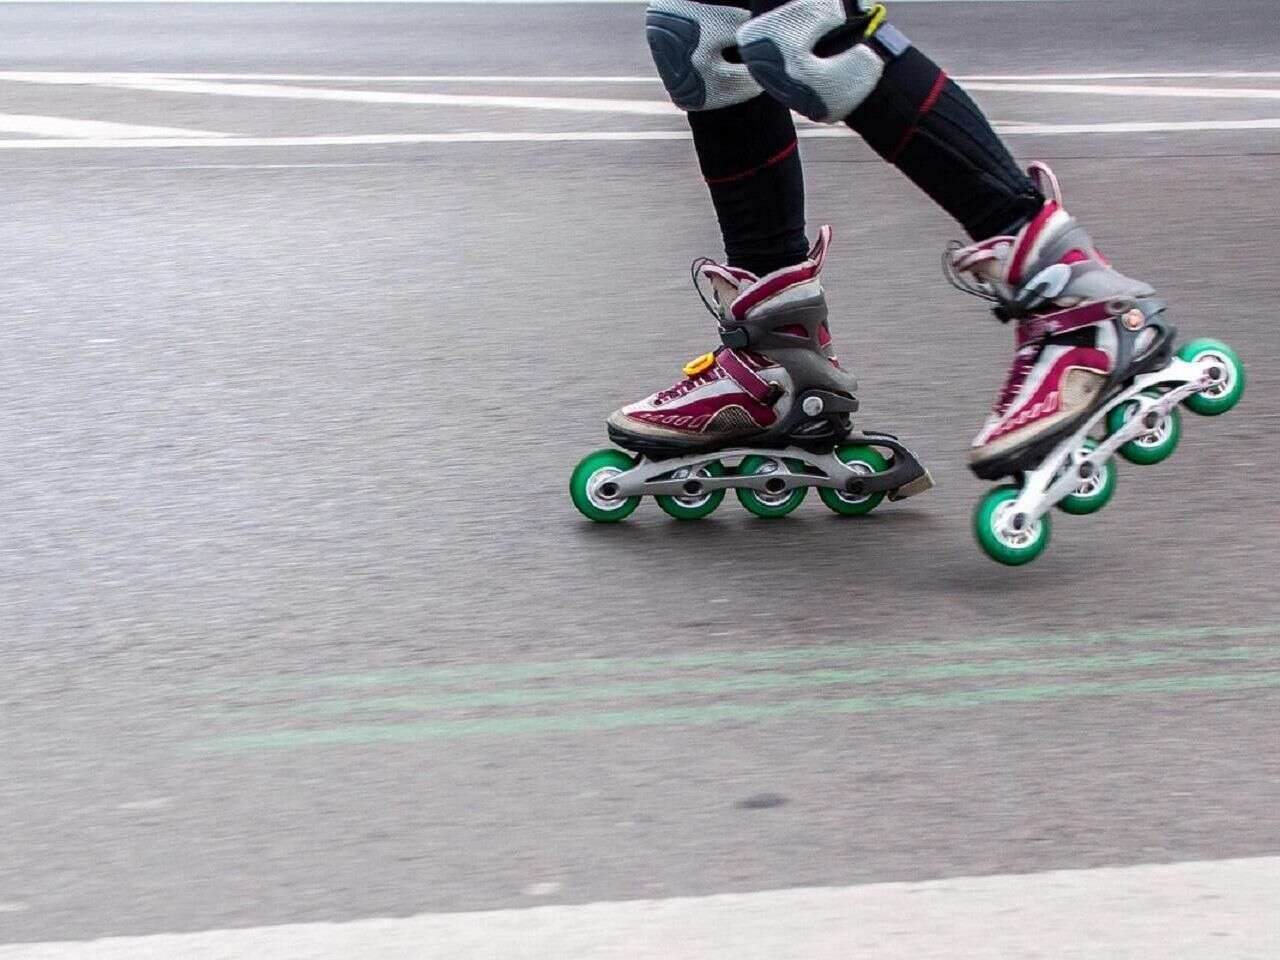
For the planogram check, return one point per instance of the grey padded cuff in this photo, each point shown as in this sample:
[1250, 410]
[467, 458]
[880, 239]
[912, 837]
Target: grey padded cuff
[688, 41]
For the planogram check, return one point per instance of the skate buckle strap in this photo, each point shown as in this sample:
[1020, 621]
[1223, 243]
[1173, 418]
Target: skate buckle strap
[1062, 321]
[735, 338]
[737, 370]
[875, 15]
[882, 37]
[886, 39]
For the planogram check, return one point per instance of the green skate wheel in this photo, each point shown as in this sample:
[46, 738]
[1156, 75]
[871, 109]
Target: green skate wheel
[865, 461]
[594, 471]
[998, 539]
[1226, 390]
[1092, 494]
[761, 502]
[696, 506]
[1154, 446]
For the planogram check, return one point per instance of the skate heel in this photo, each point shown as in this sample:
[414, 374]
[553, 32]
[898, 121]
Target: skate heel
[919, 485]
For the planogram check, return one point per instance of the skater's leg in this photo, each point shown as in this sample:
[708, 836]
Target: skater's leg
[842, 61]
[746, 146]
[831, 66]
[745, 140]
[774, 386]
[1092, 344]
[921, 121]
[748, 157]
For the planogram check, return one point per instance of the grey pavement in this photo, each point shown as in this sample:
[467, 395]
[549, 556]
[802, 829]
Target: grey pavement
[298, 622]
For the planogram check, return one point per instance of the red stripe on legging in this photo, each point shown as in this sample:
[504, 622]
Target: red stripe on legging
[925, 107]
[776, 158]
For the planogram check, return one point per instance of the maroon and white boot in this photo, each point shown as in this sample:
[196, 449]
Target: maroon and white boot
[776, 347]
[1082, 330]
[767, 415]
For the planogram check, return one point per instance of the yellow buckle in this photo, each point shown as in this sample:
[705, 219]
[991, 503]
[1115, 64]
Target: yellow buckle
[878, 14]
[699, 364]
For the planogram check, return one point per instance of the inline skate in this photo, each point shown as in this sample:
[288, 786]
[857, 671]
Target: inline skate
[1094, 374]
[767, 414]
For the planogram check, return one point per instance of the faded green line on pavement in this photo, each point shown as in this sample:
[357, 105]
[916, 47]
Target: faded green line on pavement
[588, 666]
[738, 712]
[757, 682]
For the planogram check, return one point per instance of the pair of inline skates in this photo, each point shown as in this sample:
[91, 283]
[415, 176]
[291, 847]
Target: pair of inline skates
[769, 413]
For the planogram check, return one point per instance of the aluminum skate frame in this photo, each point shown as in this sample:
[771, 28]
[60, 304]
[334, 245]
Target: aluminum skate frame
[1070, 464]
[905, 476]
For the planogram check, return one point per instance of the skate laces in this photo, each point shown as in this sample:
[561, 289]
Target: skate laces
[964, 280]
[679, 389]
[694, 375]
[1023, 361]
[706, 272]
[1012, 302]
[702, 284]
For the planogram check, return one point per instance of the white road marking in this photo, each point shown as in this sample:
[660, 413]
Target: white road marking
[613, 106]
[1156, 126]
[81, 77]
[283, 92]
[1128, 90]
[91, 77]
[48, 131]
[1216, 910]
[546, 888]
[157, 802]
[181, 2]
[604, 136]
[41, 126]
[354, 140]
[1213, 75]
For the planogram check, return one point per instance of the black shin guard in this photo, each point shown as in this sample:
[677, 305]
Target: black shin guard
[919, 120]
[749, 158]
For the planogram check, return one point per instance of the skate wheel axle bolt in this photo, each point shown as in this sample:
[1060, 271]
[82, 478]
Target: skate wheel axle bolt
[1134, 319]
[1215, 373]
[1018, 521]
[608, 490]
[1086, 471]
[1151, 420]
[812, 406]
[692, 487]
[775, 485]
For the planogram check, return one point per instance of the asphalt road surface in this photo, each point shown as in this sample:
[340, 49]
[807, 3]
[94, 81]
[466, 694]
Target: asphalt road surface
[308, 312]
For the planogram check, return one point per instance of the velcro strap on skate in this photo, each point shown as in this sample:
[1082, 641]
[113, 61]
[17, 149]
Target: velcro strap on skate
[1063, 321]
[889, 41]
[884, 38]
[737, 370]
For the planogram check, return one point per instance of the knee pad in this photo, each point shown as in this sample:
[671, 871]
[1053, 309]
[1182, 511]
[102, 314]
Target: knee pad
[688, 41]
[786, 51]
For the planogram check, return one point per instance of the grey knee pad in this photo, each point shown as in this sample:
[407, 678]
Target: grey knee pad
[778, 49]
[688, 41]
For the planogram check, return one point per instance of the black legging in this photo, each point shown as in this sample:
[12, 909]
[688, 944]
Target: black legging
[916, 118]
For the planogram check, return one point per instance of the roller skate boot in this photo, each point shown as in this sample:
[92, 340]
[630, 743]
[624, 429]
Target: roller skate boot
[767, 414]
[1093, 354]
